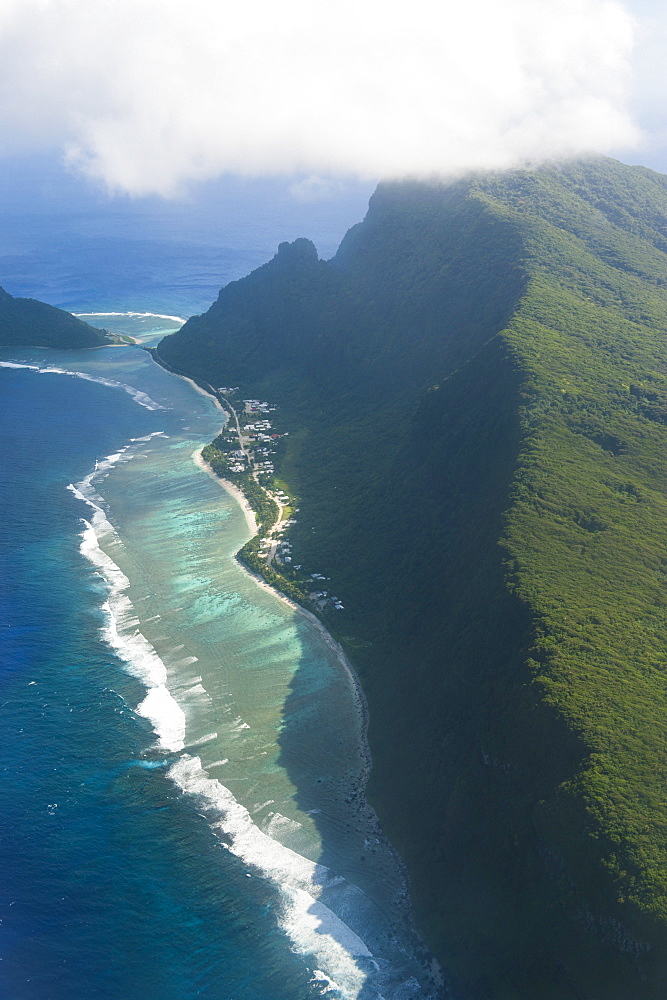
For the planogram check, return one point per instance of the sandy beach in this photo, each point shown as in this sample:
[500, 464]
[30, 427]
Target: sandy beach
[335, 647]
[326, 636]
[232, 489]
[365, 810]
[203, 392]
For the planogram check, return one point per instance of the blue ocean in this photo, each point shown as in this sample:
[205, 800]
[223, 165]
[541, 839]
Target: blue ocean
[183, 754]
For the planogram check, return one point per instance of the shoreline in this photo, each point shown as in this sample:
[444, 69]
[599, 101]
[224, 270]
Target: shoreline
[432, 969]
[230, 488]
[199, 389]
[358, 693]
[325, 635]
[359, 697]
[251, 521]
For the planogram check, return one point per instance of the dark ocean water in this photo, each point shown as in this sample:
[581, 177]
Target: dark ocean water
[177, 745]
[74, 248]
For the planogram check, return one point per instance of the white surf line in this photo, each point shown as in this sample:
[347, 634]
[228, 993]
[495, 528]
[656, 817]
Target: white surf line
[121, 632]
[146, 315]
[140, 397]
[313, 928]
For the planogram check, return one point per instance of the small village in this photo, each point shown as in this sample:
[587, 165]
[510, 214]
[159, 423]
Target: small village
[248, 445]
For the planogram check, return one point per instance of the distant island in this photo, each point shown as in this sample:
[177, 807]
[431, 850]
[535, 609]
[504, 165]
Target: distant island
[29, 323]
[471, 403]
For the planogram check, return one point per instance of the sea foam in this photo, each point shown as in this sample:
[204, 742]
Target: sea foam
[120, 631]
[313, 928]
[142, 398]
[140, 315]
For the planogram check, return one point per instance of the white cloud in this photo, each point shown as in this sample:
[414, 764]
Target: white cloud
[150, 94]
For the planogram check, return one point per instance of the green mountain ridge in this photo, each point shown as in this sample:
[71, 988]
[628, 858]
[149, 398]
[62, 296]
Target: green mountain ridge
[476, 392]
[30, 323]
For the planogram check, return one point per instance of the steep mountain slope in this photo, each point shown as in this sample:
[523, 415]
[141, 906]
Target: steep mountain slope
[476, 390]
[30, 323]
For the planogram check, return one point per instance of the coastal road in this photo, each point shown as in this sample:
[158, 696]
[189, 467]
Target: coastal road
[281, 506]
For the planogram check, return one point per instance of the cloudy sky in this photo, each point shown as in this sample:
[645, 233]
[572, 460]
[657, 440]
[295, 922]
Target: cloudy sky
[150, 96]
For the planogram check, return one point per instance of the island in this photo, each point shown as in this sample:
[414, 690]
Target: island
[30, 323]
[471, 398]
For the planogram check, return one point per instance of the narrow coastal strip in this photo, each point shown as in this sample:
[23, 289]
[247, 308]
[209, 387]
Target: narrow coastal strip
[341, 658]
[325, 635]
[431, 968]
[238, 495]
[235, 491]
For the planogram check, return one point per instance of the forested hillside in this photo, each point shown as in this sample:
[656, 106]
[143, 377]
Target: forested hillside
[476, 393]
[29, 323]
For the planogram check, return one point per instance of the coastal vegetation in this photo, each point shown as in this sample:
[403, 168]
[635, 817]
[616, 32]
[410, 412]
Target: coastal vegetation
[232, 458]
[29, 323]
[475, 395]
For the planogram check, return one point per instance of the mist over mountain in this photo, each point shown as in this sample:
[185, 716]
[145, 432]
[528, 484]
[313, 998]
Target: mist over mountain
[418, 89]
[475, 389]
